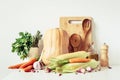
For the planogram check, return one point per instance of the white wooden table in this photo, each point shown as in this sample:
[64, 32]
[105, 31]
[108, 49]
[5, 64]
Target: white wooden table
[106, 74]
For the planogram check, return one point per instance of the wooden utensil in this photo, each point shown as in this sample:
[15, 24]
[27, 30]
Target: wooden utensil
[75, 41]
[86, 25]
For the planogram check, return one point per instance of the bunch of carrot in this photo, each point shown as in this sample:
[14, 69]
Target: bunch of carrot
[25, 66]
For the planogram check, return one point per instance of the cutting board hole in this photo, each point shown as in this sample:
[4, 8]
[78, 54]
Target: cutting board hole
[75, 22]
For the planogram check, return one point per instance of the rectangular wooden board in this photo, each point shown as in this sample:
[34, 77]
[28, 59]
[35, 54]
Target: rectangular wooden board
[81, 26]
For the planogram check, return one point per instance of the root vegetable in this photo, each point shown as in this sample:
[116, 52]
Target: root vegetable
[77, 60]
[16, 66]
[89, 69]
[30, 62]
[38, 65]
[28, 68]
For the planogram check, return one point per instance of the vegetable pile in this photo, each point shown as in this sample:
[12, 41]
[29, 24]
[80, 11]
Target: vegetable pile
[55, 55]
[72, 62]
[66, 63]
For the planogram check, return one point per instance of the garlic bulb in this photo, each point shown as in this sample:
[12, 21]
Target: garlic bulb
[38, 65]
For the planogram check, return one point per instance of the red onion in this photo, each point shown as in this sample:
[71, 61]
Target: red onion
[81, 70]
[89, 69]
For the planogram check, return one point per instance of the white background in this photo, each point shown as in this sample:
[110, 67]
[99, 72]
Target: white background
[33, 15]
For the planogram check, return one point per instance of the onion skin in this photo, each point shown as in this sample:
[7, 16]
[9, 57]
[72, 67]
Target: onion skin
[81, 70]
[89, 69]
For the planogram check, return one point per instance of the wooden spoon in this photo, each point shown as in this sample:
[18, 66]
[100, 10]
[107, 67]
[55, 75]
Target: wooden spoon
[86, 25]
[75, 41]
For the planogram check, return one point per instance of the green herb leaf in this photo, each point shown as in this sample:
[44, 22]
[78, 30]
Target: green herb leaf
[22, 44]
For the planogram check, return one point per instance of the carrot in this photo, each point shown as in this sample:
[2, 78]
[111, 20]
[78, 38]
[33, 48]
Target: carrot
[30, 62]
[16, 66]
[77, 60]
[28, 68]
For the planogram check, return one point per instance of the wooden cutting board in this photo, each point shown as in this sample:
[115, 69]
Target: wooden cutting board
[79, 30]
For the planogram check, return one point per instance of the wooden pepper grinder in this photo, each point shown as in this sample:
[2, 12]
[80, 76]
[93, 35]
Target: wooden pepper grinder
[104, 56]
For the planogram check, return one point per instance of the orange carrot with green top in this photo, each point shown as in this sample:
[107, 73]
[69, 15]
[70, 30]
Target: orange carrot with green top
[30, 62]
[77, 60]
